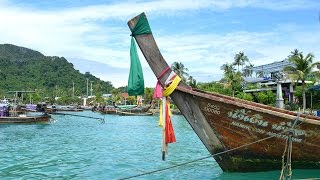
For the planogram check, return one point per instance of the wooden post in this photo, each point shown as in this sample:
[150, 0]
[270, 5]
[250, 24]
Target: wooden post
[164, 145]
[311, 101]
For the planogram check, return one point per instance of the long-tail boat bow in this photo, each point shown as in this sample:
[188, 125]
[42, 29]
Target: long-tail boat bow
[253, 135]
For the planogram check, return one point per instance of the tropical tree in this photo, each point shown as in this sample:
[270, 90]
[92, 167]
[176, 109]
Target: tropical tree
[192, 82]
[180, 70]
[260, 74]
[227, 68]
[214, 87]
[246, 96]
[234, 81]
[301, 68]
[148, 95]
[240, 59]
[115, 95]
[247, 71]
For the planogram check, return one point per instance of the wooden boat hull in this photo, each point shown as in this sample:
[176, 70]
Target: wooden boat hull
[25, 119]
[72, 110]
[123, 113]
[109, 110]
[233, 123]
[238, 127]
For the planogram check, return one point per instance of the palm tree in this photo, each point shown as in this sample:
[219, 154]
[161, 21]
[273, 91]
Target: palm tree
[247, 71]
[148, 94]
[234, 80]
[180, 70]
[260, 74]
[300, 69]
[227, 68]
[240, 59]
[192, 82]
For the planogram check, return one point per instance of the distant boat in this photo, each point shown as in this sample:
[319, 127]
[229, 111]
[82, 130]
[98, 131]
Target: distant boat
[67, 108]
[136, 109]
[242, 136]
[45, 118]
[31, 107]
[6, 117]
[108, 110]
[124, 109]
[86, 107]
[123, 113]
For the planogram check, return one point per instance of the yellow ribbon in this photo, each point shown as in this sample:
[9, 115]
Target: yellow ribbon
[160, 123]
[168, 90]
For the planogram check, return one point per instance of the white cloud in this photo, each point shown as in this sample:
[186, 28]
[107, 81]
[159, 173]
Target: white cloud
[95, 32]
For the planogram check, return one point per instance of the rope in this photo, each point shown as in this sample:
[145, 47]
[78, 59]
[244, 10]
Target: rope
[163, 72]
[286, 171]
[101, 119]
[283, 166]
[206, 157]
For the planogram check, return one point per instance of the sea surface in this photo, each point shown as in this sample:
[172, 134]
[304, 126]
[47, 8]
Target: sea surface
[121, 147]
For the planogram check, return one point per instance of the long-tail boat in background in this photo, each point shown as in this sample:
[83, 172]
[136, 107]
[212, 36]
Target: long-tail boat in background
[9, 115]
[242, 136]
[13, 112]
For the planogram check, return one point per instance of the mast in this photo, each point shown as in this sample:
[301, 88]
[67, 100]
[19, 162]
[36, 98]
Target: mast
[87, 87]
[91, 89]
[72, 90]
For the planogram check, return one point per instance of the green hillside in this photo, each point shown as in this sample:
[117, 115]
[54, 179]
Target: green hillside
[25, 69]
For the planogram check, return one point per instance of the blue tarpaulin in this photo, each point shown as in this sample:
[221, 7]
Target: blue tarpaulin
[315, 88]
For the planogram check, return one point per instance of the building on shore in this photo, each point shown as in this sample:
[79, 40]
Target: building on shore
[267, 78]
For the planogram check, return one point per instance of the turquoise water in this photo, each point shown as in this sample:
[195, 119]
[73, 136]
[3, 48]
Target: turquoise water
[82, 148]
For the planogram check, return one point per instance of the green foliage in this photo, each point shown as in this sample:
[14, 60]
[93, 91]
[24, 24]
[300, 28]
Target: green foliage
[240, 59]
[301, 69]
[234, 81]
[245, 96]
[251, 86]
[148, 95]
[180, 70]
[215, 87]
[266, 97]
[49, 76]
[192, 82]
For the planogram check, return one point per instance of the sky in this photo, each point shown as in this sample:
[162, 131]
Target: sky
[201, 34]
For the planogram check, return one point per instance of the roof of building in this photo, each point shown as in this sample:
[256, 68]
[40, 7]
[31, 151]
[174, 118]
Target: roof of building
[272, 67]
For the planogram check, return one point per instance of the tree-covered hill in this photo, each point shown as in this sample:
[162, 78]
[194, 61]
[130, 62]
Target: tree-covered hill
[25, 69]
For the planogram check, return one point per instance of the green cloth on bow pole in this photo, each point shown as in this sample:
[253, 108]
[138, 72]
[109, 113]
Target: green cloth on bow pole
[136, 81]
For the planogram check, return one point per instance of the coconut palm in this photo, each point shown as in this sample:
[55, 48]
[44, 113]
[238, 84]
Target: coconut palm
[240, 59]
[227, 68]
[234, 81]
[148, 94]
[301, 68]
[192, 82]
[247, 71]
[180, 70]
[260, 74]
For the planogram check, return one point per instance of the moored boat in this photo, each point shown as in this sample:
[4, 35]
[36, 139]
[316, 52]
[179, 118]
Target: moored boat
[68, 108]
[242, 136]
[124, 113]
[24, 119]
[7, 116]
